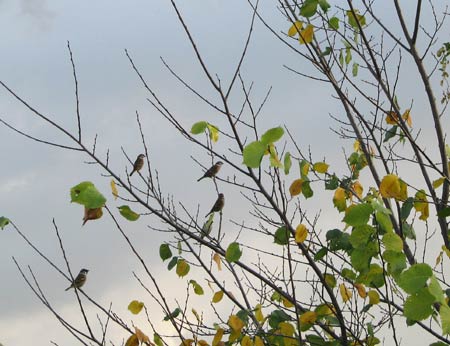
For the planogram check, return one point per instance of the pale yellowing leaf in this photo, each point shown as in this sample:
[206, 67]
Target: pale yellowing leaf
[339, 199]
[309, 317]
[358, 189]
[361, 290]
[286, 328]
[246, 341]
[258, 341]
[197, 316]
[218, 337]
[235, 323]
[374, 297]
[141, 336]
[217, 297]
[114, 191]
[438, 182]
[392, 187]
[421, 205]
[439, 258]
[357, 146]
[258, 313]
[218, 260]
[295, 28]
[132, 340]
[301, 233]
[321, 167]
[287, 303]
[306, 35]
[296, 187]
[346, 294]
[135, 307]
[447, 251]
[202, 343]
[392, 118]
[406, 116]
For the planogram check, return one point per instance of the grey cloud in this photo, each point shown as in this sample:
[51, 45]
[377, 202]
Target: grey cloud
[38, 11]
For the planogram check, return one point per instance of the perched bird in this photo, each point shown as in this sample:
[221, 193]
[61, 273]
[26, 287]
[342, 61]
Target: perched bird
[212, 171]
[79, 280]
[138, 164]
[218, 206]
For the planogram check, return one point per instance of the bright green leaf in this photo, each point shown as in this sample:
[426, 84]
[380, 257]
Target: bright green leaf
[127, 213]
[396, 262]
[199, 127]
[87, 194]
[324, 5]
[419, 306]
[333, 23]
[360, 236]
[197, 288]
[436, 290]
[272, 135]
[164, 251]
[358, 214]
[287, 163]
[281, 236]
[444, 313]
[233, 253]
[3, 222]
[393, 242]
[253, 154]
[309, 8]
[413, 279]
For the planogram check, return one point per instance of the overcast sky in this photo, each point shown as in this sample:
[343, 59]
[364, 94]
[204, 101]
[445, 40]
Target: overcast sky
[35, 179]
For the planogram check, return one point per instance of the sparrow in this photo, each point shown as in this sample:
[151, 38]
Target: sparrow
[79, 280]
[138, 164]
[212, 171]
[218, 206]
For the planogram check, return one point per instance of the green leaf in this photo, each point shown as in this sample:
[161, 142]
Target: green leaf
[309, 8]
[348, 274]
[276, 317]
[348, 56]
[173, 314]
[393, 242]
[390, 133]
[197, 288]
[444, 212]
[330, 280]
[408, 231]
[360, 236]
[406, 208]
[183, 268]
[358, 215]
[320, 254]
[354, 17]
[306, 190]
[135, 307]
[413, 279]
[396, 262]
[164, 251]
[384, 221]
[373, 278]
[281, 236]
[355, 69]
[419, 306]
[326, 52]
[272, 135]
[127, 213]
[253, 154]
[87, 194]
[233, 253]
[436, 290]
[173, 262]
[333, 23]
[199, 127]
[444, 313]
[361, 257]
[324, 5]
[157, 340]
[338, 240]
[3, 222]
[332, 183]
[287, 163]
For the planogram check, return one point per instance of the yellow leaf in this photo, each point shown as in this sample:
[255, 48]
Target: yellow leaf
[141, 336]
[301, 232]
[305, 169]
[406, 116]
[258, 313]
[403, 195]
[357, 146]
[218, 260]
[438, 182]
[323, 310]
[296, 187]
[306, 35]
[346, 294]
[374, 297]
[217, 297]
[421, 205]
[132, 341]
[287, 303]
[309, 317]
[390, 186]
[392, 118]
[295, 28]
[439, 259]
[361, 290]
[187, 342]
[235, 323]
[358, 189]
[447, 251]
[246, 341]
[135, 307]
[218, 337]
[321, 167]
[258, 341]
[202, 343]
[286, 328]
[339, 199]
[115, 193]
[234, 335]
[196, 315]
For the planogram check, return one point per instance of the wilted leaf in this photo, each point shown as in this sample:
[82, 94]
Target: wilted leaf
[199, 127]
[296, 187]
[127, 213]
[361, 290]
[135, 307]
[301, 232]
[114, 191]
[182, 268]
[233, 253]
[346, 294]
[92, 214]
[141, 336]
[392, 118]
[286, 302]
[217, 297]
[3, 222]
[406, 116]
[246, 341]
[218, 260]
[164, 251]
[87, 194]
